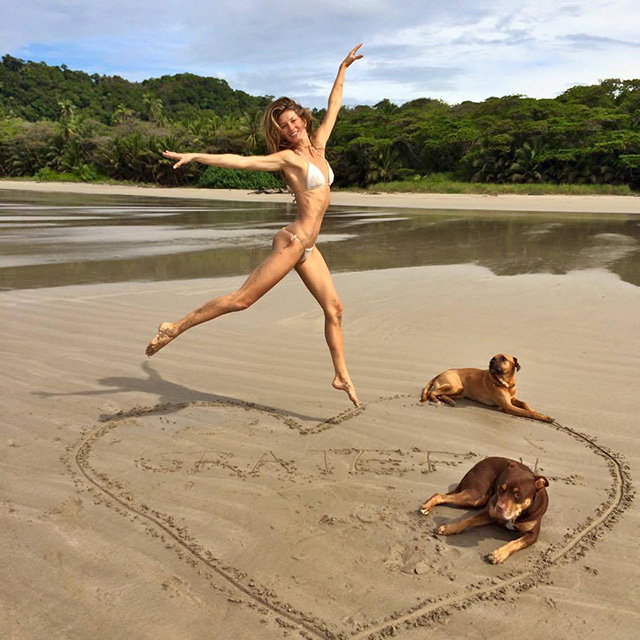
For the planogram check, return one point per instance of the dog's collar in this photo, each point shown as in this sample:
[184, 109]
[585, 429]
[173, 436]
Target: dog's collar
[499, 382]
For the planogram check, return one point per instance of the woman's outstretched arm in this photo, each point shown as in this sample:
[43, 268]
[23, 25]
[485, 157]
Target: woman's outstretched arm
[273, 162]
[335, 99]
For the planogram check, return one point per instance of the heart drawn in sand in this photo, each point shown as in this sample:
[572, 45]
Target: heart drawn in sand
[319, 527]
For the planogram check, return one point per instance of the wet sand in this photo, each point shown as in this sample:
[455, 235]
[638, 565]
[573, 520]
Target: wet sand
[476, 202]
[223, 489]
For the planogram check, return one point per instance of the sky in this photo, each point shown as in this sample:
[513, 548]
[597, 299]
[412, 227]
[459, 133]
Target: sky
[453, 50]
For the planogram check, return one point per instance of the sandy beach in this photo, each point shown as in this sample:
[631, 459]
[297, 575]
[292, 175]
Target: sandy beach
[222, 489]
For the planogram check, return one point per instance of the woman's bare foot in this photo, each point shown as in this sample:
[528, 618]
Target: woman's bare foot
[166, 333]
[343, 383]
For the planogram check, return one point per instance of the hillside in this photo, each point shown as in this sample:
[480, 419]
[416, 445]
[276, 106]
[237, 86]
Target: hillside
[32, 90]
[91, 126]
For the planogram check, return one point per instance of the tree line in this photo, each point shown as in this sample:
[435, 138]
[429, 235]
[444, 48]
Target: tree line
[57, 121]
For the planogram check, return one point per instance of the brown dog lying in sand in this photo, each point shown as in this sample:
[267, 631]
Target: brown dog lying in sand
[495, 386]
[511, 495]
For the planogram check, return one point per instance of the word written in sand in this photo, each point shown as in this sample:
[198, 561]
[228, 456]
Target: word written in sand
[309, 463]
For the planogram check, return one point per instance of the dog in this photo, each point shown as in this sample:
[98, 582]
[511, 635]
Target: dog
[511, 495]
[495, 386]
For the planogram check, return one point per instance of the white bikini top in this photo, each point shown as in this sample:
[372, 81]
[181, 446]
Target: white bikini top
[315, 177]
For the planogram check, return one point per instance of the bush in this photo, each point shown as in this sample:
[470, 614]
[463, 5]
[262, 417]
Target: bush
[49, 175]
[88, 173]
[82, 173]
[219, 178]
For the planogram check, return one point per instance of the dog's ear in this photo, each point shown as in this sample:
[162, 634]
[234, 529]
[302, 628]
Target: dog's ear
[515, 361]
[540, 482]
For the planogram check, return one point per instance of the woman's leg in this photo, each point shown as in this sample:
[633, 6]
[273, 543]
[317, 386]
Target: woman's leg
[283, 257]
[317, 278]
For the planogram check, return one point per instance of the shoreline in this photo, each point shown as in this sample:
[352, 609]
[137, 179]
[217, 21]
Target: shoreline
[629, 205]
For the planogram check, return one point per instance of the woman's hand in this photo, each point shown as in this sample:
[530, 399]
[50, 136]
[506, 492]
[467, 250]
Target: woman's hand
[352, 57]
[182, 158]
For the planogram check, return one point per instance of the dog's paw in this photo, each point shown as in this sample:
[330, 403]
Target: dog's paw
[424, 511]
[443, 530]
[496, 557]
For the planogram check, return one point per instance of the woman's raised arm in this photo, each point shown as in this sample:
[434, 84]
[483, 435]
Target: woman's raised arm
[273, 162]
[335, 99]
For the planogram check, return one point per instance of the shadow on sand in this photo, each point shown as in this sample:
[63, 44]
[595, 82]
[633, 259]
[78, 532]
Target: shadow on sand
[171, 396]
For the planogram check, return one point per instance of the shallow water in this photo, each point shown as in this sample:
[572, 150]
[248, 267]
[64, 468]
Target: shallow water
[61, 239]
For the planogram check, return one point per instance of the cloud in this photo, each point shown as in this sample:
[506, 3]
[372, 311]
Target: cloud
[448, 50]
[588, 42]
[420, 77]
[294, 82]
[509, 38]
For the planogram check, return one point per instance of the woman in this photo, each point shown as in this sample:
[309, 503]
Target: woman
[298, 153]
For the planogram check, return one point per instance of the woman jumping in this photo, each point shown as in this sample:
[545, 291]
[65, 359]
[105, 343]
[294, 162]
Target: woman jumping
[299, 154]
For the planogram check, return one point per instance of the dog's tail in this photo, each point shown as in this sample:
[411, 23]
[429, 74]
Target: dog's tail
[427, 393]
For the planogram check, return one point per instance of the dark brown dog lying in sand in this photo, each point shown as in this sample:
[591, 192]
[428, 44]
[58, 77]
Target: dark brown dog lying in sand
[495, 386]
[511, 495]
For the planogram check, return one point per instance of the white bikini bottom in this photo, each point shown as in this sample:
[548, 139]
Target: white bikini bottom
[307, 252]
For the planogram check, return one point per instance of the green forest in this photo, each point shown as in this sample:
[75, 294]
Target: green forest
[56, 123]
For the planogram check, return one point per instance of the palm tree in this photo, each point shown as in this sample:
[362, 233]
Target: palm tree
[67, 119]
[386, 107]
[153, 108]
[384, 164]
[203, 128]
[491, 159]
[121, 114]
[251, 127]
[231, 122]
[526, 166]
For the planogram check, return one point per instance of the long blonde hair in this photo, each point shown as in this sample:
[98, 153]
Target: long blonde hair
[272, 132]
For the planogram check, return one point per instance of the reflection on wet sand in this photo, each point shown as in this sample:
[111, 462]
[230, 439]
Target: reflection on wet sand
[52, 240]
[506, 244]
